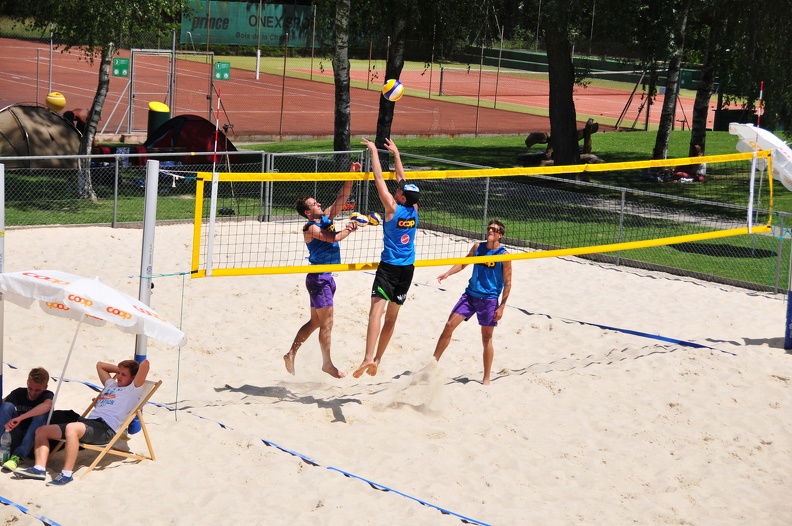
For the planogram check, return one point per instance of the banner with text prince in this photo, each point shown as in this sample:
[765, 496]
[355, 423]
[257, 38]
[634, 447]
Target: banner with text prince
[246, 24]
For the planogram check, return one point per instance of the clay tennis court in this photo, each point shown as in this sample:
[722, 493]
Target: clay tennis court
[273, 107]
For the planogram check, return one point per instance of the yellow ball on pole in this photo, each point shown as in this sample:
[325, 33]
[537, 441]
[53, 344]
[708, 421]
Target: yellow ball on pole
[56, 101]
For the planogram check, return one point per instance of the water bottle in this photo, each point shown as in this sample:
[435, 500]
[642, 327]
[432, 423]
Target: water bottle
[5, 446]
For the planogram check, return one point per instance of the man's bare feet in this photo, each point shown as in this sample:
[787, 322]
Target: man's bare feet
[373, 371]
[332, 371]
[288, 359]
[368, 367]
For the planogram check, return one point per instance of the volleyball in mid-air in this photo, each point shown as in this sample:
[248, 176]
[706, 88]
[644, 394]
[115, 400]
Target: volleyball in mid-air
[360, 219]
[392, 90]
[374, 219]
[56, 101]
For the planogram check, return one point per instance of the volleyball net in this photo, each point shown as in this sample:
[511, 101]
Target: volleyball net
[246, 223]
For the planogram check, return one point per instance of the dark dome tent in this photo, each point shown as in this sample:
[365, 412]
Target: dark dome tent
[27, 130]
[188, 133]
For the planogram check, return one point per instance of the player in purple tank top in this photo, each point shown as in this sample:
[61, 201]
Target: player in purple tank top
[321, 237]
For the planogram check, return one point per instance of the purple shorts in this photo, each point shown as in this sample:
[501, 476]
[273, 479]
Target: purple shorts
[484, 308]
[321, 288]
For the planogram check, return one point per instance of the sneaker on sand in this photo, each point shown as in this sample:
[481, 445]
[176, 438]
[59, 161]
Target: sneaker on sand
[12, 463]
[60, 480]
[31, 473]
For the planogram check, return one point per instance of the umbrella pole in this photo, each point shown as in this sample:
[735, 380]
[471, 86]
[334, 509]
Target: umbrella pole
[2, 269]
[68, 356]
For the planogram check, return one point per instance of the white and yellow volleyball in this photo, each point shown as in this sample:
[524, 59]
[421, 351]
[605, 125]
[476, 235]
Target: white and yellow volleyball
[392, 90]
[374, 219]
[361, 219]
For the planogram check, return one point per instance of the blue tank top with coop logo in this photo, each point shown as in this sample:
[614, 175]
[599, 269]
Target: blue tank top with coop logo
[399, 236]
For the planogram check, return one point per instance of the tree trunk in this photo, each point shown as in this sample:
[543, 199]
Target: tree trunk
[698, 128]
[712, 57]
[393, 70]
[343, 115]
[668, 112]
[84, 186]
[563, 117]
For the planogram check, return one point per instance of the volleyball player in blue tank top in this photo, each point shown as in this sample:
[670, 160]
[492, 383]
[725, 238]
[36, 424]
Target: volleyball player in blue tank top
[395, 270]
[321, 238]
[489, 281]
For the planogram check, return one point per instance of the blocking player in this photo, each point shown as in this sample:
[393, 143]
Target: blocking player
[396, 267]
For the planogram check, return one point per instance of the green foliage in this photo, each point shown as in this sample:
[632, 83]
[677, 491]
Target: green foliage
[757, 46]
[92, 25]
[521, 38]
[11, 28]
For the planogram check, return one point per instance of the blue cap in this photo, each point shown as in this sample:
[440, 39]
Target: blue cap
[408, 187]
[411, 192]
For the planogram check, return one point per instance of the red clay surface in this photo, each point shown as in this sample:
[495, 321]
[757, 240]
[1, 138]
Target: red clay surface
[273, 107]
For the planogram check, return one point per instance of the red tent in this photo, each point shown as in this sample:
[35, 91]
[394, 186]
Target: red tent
[189, 133]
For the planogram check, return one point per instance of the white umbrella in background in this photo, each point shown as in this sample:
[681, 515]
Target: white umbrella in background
[88, 301]
[754, 139]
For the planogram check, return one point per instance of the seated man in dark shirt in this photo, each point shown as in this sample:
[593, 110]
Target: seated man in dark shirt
[24, 410]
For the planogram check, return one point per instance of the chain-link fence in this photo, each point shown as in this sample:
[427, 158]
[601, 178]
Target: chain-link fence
[541, 212]
[52, 196]
[277, 91]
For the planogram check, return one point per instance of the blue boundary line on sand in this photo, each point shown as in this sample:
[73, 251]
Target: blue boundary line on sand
[684, 343]
[668, 339]
[26, 511]
[380, 487]
[374, 485]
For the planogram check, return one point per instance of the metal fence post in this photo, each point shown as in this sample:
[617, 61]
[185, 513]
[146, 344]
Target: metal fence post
[621, 222]
[2, 269]
[485, 222]
[788, 327]
[114, 222]
[779, 255]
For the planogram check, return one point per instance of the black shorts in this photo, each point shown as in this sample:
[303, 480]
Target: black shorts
[392, 282]
[96, 431]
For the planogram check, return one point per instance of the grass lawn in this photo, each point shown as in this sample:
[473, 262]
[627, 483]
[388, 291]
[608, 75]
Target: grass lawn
[500, 152]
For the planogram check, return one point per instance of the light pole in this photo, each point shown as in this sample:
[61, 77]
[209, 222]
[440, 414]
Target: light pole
[591, 35]
[538, 19]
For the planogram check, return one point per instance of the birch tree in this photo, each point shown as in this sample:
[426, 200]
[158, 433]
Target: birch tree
[95, 28]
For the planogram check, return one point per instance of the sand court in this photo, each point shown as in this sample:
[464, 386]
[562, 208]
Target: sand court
[599, 411]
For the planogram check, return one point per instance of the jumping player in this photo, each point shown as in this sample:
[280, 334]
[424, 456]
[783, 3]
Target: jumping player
[395, 270]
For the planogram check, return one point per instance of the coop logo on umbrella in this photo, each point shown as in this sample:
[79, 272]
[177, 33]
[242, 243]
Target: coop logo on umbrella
[149, 313]
[79, 300]
[56, 305]
[52, 280]
[118, 312]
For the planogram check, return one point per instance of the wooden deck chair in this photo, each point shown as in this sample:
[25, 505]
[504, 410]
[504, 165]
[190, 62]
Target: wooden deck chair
[149, 387]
